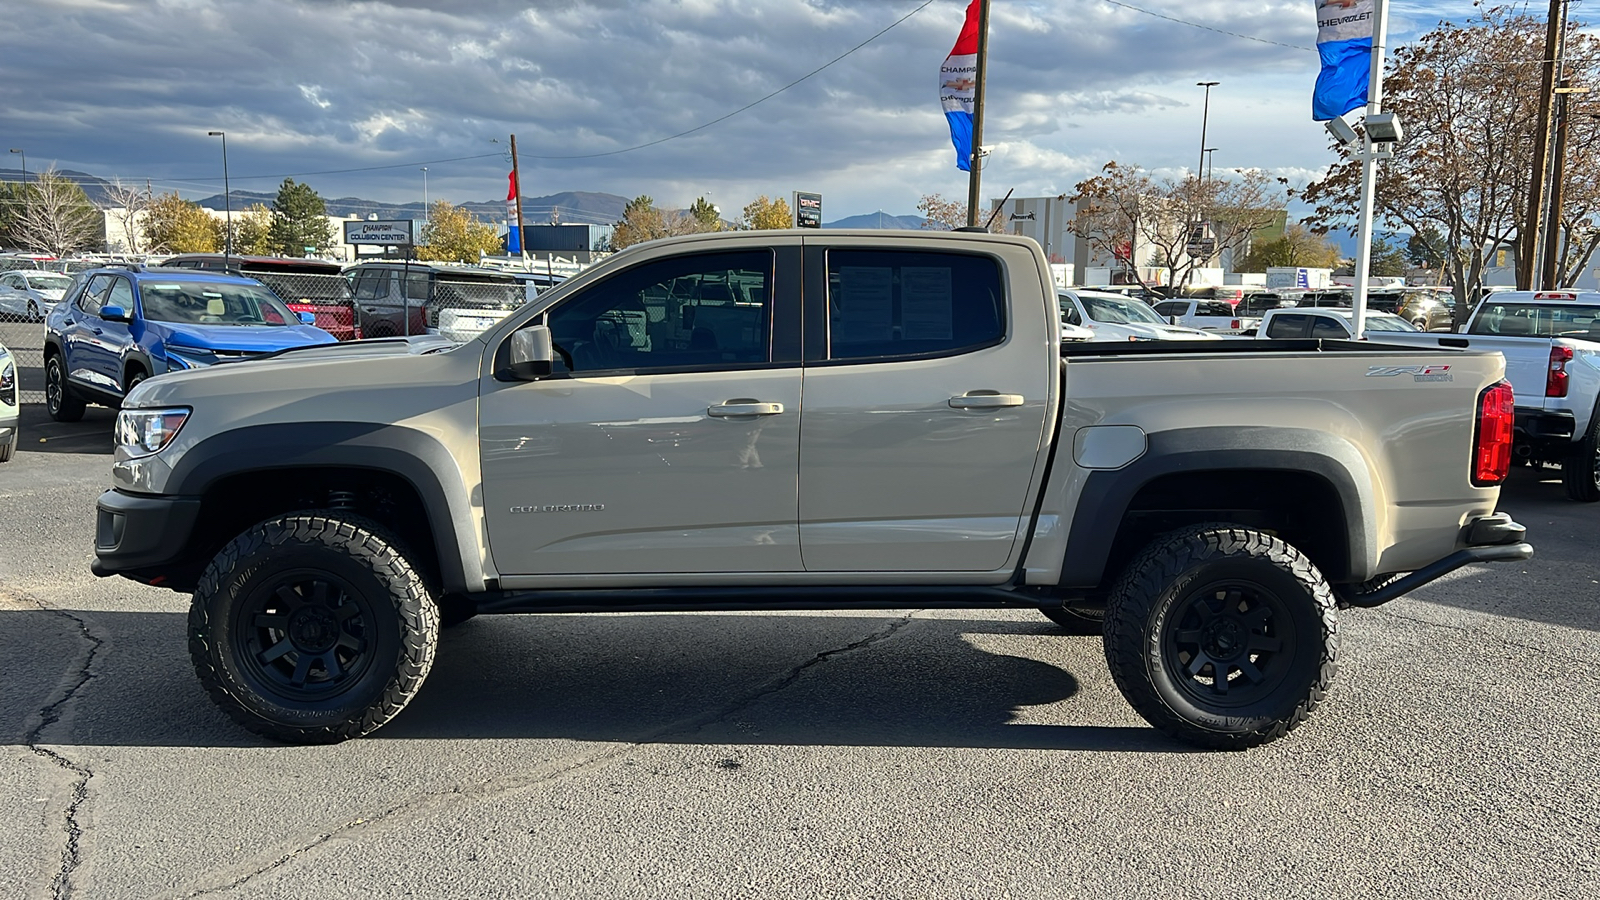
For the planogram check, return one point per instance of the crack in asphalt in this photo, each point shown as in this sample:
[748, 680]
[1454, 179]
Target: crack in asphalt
[574, 766]
[71, 854]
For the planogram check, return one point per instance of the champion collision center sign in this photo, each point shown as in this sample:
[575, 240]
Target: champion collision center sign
[386, 233]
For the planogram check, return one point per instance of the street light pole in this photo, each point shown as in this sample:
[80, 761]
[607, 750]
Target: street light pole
[24, 164]
[424, 196]
[227, 201]
[1205, 118]
[1210, 161]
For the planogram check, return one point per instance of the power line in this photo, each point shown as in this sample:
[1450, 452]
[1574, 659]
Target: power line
[1247, 37]
[741, 109]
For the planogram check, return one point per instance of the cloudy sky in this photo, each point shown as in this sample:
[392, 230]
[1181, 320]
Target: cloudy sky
[355, 97]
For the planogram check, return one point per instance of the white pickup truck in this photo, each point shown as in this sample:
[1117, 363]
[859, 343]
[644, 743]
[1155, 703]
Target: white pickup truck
[797, 419]
[1206, 315]
[1551, 342]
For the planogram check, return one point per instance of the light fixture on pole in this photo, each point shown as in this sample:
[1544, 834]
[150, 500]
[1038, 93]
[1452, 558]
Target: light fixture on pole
[227, 201]
[24, 164]
[1210, 161]
[1205, 117]
[424, 196]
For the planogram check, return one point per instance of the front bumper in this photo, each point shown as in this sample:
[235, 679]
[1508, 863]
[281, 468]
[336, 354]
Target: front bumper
[135, 533]
[1493, 538]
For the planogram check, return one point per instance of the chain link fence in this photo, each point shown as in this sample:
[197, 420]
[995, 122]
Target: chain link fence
[327, 297]
[28, 291]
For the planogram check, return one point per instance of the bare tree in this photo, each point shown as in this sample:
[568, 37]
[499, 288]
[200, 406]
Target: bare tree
[1123, 209]
[58, 217]
[128, 203]
[940, 214]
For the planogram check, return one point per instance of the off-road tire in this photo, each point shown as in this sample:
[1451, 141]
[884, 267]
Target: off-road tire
[135, 377]
[58, 399]
[372, 620]
[1580, 471]
[1274, 625]
[9, 448]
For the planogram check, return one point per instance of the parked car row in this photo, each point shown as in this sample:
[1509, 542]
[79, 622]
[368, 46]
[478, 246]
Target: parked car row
[28, 295]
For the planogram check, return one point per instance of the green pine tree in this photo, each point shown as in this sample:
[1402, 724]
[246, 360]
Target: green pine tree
[299, 220]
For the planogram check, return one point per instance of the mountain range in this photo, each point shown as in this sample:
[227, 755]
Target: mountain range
[568, 207]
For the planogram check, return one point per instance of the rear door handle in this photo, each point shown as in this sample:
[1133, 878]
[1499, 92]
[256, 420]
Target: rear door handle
[977, 400]
[743, 407]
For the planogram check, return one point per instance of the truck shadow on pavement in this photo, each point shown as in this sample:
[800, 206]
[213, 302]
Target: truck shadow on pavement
[659, 678]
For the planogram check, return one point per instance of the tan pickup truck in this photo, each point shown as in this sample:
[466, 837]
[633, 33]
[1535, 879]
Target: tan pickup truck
[785, 419]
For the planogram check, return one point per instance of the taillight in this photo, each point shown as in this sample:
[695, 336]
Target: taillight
[1555, 383]
[1235, 324]
[1491, 442]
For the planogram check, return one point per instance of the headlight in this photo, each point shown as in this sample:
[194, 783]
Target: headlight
[145, 431]
[8, 383]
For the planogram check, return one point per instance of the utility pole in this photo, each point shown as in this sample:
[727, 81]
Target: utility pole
[1554, 39]
[975, 176]
[516, 183]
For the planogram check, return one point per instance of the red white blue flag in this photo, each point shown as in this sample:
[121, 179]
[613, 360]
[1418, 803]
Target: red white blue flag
[958, 79]
[513, 232]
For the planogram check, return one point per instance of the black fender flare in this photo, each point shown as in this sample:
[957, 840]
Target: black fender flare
[1107, 494]
[415, 457]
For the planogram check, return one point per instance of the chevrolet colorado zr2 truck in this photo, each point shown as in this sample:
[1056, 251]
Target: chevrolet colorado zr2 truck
[805, 420]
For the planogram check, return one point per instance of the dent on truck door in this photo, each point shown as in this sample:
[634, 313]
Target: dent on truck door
[924, 413]
[667, 440]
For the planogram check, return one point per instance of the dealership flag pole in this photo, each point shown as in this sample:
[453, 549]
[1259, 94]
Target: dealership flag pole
[516, 187]
[1369, 170]
[975, 176]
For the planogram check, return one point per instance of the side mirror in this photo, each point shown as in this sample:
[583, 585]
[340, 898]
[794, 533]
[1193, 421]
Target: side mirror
[114, 314]
[532, 353]
[307, 318]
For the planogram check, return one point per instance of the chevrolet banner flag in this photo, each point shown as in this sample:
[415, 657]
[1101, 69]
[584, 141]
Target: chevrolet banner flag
[1344, 41]
[958, 78]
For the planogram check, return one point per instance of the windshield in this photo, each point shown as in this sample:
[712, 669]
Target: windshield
[200, 303]
[48, 281]
[1537, 320]
[1118, 310]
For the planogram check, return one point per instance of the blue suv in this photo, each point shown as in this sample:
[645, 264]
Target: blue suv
[116, 327]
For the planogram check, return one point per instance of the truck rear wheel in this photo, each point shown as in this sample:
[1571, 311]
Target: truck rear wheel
[312, 628]
[1580, 472]
[1222, 636]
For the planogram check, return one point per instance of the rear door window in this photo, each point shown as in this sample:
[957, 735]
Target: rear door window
[1292, 325]
[887, 304]
[1328, 328]
[1173, 308]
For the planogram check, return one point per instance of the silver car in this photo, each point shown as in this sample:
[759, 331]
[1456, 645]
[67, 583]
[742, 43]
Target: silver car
[8, 405]
[29, 296]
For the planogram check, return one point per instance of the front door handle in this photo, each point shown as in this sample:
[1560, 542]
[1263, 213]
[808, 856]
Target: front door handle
[985, 400]
[743, 407]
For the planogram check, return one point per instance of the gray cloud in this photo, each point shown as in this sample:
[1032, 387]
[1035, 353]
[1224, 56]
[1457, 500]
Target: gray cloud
[130, 89]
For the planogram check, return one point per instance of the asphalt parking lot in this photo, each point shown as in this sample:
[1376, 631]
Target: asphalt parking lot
[907, 753]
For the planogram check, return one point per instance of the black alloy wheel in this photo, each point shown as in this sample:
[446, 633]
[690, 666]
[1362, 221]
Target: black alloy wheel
[58, 399]
[1228, 640]
[1580, 471]
[304, 636]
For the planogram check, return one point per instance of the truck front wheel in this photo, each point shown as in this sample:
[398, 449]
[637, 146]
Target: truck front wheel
[312, 628]
[1222, 636]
